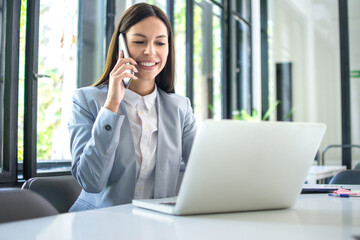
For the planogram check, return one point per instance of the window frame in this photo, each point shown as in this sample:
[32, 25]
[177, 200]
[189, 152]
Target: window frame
[264, 57]
[11, 75]
[345, 81]
[30, 90]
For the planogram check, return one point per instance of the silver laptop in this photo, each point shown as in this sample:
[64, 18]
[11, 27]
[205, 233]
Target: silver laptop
[243, 166]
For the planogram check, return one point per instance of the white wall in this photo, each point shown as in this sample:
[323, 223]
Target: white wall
[306, 33]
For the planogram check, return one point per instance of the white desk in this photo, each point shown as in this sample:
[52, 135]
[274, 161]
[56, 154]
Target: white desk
[321, 172]
[315, 216]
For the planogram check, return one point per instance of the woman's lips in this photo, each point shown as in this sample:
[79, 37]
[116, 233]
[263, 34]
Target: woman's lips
[146, 65]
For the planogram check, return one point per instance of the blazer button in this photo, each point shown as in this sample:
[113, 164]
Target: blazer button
[108, 127]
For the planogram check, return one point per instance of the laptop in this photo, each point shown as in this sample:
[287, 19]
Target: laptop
[243, 166]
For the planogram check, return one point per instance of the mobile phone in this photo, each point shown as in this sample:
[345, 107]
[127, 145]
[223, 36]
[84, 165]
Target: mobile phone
[123, 47]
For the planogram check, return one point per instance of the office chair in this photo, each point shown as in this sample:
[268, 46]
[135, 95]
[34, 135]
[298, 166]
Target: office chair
[346, 177]
[60, 191]
[357, 166]
[17, 204]
[342, 146]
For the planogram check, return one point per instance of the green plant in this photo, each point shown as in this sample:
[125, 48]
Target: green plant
[244, 115]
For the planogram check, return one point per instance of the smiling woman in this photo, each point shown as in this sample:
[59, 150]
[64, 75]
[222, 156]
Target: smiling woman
[138, 22]
[122, 144]
[149, 49]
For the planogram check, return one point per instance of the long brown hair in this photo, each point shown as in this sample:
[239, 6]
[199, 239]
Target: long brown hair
[165, 79]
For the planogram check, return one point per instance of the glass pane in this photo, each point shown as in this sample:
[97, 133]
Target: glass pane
[180, 43]
[207, 61]
[217, 62]
[242, 8]
[159, 3]
[20, 141]
[241, 76]
[217, 1]
[200, 100]
[306, 35]
[354, 39]
[121, 6]
[58, 31]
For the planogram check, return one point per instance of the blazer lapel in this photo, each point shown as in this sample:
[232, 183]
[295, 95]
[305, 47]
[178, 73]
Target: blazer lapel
[166, 168]
[159, 188]
[127, 128]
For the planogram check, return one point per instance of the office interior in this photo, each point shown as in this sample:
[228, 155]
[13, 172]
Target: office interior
[272, 60]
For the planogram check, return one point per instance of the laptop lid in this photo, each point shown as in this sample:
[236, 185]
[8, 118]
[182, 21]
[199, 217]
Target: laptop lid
[244, 166]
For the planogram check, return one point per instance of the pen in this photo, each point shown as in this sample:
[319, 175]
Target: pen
[339, 195]
[343, 195]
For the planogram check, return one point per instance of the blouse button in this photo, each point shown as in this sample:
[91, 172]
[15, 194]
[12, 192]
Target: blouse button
[108, 127]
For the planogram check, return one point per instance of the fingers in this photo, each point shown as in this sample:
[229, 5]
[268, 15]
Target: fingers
[116, 83]
[125, 60]
[122, 76]
[129, 64]
[129, 60]
[123, 68]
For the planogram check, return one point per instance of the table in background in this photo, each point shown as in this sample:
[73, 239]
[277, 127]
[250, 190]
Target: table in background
[314, 216]
[319, 173]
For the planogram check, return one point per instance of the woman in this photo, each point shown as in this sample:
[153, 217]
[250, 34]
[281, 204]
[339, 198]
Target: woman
[128, 143]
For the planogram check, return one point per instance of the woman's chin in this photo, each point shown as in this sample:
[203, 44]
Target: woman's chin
[143, 80]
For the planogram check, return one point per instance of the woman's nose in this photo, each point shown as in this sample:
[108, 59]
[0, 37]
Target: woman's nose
[149, 50]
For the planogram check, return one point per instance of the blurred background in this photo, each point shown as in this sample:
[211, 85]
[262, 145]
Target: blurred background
[276, 60]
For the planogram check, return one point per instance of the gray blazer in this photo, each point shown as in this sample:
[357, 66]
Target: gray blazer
[103, 151]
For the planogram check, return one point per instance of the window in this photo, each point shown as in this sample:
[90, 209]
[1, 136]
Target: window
[63, 46]
[241, 79]
[179, 30]
[208, 64]
[48, 73]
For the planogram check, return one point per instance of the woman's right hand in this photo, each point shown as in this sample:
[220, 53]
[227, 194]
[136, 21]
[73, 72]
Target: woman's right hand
[116, 90]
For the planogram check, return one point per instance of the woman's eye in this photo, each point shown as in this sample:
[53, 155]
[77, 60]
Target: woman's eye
[138, 42]
[161, 43]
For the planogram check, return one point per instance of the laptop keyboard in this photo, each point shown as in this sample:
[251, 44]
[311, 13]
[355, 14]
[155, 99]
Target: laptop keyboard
[168, 203]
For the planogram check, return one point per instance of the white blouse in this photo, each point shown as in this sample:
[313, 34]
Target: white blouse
[142, 115]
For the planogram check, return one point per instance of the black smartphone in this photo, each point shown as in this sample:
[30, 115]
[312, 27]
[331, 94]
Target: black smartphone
[123, 47]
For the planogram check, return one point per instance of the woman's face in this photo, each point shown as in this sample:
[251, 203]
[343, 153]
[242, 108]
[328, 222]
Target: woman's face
[148, 45]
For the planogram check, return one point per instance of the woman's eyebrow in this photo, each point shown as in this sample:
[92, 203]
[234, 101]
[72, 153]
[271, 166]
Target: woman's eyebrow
[162, 36]
[142, 35]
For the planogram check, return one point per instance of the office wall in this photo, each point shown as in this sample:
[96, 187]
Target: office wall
[306, 33]
[354, 40]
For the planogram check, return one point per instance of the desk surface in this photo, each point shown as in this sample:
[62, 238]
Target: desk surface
[314, 216]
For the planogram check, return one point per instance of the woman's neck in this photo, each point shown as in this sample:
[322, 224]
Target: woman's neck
[142, 88]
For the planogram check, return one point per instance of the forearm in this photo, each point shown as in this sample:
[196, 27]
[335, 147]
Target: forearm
[93, 149]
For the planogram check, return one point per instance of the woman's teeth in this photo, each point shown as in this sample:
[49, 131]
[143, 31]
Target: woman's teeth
[147, 64]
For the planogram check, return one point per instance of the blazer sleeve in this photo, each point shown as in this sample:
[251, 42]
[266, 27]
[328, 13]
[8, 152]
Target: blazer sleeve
[94, 137]
[189, 131]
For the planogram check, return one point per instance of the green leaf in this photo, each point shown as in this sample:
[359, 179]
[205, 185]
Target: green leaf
[270, 110]
[211, 108]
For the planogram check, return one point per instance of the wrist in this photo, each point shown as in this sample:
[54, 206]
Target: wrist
[112, 107]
